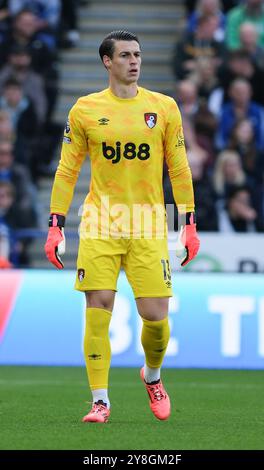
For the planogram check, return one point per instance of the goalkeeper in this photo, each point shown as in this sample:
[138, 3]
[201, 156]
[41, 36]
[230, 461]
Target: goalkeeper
[127, 132]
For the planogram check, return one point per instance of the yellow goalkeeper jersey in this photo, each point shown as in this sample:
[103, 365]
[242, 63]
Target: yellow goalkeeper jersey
[127, 141]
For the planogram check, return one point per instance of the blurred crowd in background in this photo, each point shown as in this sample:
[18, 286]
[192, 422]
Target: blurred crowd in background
[219, 74]
[32, 35]
[218, 66]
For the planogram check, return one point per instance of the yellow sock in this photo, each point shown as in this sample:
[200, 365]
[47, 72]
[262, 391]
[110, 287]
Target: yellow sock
[154, 338]
[97, 348]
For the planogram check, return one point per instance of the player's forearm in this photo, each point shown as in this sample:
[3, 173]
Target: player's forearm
[182, 188]
[62, 191]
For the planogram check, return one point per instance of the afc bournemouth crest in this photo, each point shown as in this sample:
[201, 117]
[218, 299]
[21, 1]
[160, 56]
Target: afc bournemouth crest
[81, 274]
[150, 119]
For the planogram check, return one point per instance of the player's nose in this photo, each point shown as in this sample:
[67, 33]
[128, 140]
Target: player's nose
[134, 59]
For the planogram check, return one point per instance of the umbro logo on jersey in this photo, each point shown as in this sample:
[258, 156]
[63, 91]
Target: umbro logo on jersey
[150, 119]
[103, 121]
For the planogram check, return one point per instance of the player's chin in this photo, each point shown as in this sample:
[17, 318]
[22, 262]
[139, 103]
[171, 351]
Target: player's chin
[132, 77]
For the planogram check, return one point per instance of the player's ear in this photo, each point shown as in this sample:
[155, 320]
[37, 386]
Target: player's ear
[106, 61]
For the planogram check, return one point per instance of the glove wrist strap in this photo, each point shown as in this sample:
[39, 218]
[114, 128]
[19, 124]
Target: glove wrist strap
[56, 220]
[188, 218]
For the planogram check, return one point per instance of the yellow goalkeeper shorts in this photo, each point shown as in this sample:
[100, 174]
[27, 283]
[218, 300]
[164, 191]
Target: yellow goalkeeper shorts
[145, 261]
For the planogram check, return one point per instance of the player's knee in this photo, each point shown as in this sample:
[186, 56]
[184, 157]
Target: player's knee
[100, 299]
[153, 309]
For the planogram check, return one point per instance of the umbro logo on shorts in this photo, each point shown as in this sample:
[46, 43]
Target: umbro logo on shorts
[94, 357]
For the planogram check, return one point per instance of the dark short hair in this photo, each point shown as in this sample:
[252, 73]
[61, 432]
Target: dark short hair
[108, 45]
[203, 19]
[18, 49]
[12, 81]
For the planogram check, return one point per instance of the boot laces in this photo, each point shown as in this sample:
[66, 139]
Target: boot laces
[98, 407]
[157, 391]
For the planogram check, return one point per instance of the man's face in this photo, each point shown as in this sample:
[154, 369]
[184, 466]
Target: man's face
[13, 95]
[125, 63]
[26, 24]
[6, 198]
[240, 93]
[209, 6]
[6, 155]
[20, 61]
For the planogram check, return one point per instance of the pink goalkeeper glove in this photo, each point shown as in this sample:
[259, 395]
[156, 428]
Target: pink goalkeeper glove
[188, 243]
[55, 244]
[5, 263]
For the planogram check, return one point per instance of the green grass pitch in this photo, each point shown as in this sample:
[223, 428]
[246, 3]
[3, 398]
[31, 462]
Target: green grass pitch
[42, 407]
